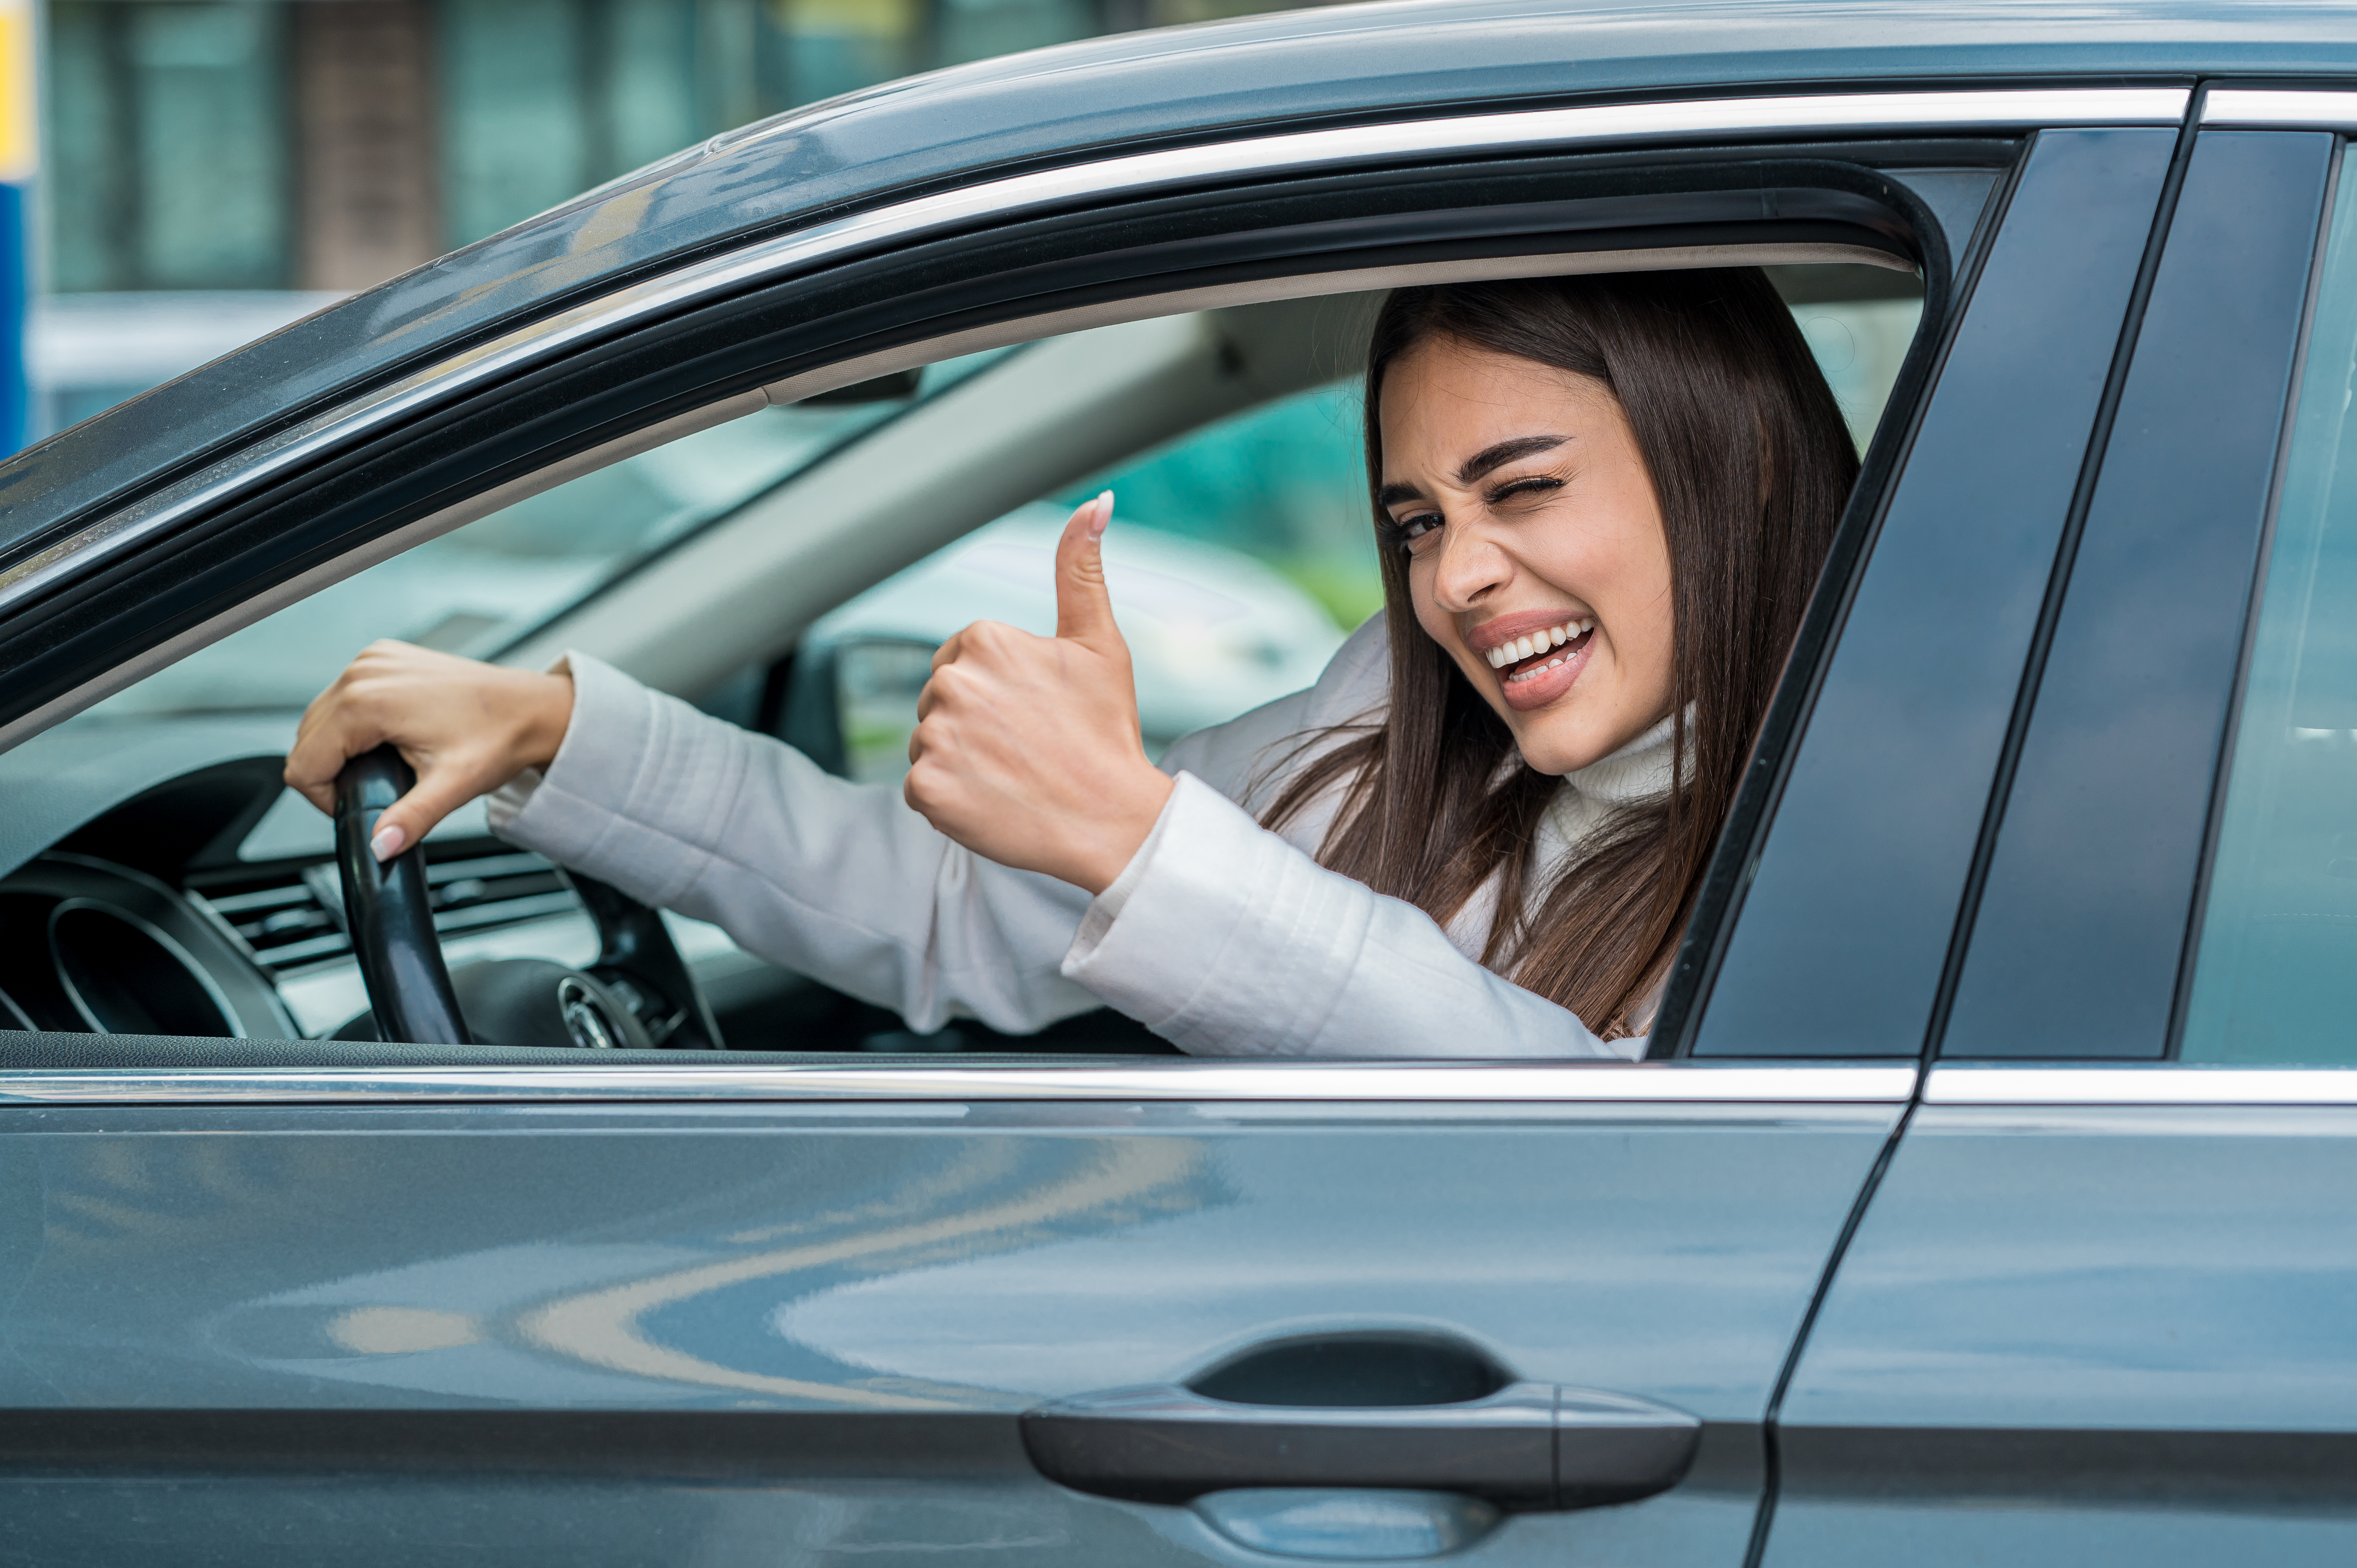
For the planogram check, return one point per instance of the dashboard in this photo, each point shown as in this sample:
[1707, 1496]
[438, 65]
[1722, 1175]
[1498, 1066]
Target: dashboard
[209, 905]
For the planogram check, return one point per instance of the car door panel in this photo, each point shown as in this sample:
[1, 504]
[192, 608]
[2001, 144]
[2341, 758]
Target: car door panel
[2086, 1332]
[506, 1325]
[2103, 1311]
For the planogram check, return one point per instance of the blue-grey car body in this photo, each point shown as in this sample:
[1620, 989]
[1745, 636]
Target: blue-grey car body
[271, 1301]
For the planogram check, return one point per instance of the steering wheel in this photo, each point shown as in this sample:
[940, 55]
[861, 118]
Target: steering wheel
[638, 994]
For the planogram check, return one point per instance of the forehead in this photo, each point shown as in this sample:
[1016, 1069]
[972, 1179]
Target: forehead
[1444, 399]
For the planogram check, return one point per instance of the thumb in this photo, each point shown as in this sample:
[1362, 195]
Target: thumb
[1084, 606]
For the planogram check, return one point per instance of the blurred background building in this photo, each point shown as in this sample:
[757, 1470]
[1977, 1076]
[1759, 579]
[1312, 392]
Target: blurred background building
[212, 169]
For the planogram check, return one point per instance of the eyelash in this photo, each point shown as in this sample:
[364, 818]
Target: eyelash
[1520, 487]
[1404, 533]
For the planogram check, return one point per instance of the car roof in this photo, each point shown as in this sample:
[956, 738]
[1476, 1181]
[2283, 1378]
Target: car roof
[1319, 65]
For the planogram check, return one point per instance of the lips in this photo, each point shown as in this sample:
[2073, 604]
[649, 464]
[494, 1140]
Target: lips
[1538, 657]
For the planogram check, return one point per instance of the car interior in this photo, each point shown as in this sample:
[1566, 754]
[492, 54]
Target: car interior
[786, 559]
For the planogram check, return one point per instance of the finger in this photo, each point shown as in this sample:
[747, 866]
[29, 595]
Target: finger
[320, 750]
[437, 793]
[1084, 606]
[916, 791]
[948, 652]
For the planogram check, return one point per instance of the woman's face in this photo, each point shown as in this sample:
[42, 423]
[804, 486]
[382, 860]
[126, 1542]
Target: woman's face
[1535, 552]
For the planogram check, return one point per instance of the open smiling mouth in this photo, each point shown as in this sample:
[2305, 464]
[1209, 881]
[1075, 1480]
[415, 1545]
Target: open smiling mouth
[1526, 658]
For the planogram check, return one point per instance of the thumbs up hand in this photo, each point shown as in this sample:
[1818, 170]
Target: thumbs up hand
[1027, 748]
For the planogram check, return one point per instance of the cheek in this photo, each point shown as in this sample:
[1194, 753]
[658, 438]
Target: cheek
[1437, 623]
[1643, 633]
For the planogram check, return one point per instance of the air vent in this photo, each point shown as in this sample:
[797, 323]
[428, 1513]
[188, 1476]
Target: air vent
[293, 916]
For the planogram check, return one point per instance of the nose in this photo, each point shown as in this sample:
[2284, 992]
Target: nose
[1471, 568]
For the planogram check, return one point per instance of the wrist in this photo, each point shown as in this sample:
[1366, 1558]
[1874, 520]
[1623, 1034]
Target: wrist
[1133, 808]
[547, 713]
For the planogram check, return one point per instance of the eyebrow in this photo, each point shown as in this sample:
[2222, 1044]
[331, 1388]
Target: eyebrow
[1494, 457]
[1488, 460]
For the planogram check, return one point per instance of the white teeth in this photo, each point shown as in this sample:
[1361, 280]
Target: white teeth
[1538, 642]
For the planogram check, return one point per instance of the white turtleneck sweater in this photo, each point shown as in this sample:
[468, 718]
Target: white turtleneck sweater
[1220, 936]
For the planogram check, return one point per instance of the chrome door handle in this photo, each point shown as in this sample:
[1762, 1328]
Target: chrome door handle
[1527, 1447]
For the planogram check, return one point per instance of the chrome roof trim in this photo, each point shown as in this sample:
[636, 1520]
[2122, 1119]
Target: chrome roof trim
[2227, 108]
[2138, 1083]
[1298, 152]
[1323, 1082]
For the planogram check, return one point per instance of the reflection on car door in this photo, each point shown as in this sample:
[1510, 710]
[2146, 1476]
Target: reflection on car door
[2100, 1307]
[729, 1332]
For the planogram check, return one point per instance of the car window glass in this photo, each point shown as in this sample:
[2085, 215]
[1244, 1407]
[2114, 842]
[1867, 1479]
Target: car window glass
[475, 590]
[2278, 930]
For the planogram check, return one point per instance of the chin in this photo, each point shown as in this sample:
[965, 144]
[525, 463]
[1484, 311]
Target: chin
[1557, 749]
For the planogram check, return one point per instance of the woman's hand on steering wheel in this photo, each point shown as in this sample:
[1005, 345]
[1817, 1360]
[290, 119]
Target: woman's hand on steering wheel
[1027, 748]
[466, 727]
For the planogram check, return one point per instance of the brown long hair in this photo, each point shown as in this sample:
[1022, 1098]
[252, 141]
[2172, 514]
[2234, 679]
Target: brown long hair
[1751, 462]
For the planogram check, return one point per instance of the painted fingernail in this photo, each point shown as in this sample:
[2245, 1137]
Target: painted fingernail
[1105, 514]
[387, 843]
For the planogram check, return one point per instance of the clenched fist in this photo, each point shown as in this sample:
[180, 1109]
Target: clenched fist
[1027, 748]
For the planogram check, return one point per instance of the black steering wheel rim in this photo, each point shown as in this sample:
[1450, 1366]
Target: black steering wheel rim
[389, 910]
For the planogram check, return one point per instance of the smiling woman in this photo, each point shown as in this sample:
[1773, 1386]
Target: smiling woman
[1607, 500]
[1603, 502]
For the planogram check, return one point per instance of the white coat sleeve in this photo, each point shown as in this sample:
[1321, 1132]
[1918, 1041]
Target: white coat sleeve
[839, 881]
[1225, 939]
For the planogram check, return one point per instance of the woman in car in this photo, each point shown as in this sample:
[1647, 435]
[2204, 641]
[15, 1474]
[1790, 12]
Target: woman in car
[1602, 504]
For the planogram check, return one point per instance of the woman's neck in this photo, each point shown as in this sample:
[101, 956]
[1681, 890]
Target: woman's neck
[1639, 769]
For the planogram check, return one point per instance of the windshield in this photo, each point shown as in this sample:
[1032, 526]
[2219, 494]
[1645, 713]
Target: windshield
[479, 588]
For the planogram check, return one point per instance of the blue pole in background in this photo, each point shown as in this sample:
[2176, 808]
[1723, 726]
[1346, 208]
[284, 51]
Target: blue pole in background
[19, 161]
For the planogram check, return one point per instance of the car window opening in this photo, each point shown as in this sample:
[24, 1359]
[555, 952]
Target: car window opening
[1240, 561]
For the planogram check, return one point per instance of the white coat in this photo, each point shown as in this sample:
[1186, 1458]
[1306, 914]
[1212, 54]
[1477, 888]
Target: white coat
[1221, 936]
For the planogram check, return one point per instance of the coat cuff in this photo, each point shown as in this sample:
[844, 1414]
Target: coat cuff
[636, 787]
[1213, 935]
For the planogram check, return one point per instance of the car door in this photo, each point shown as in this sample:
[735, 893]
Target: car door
[2099, 1305]
[476, 1307]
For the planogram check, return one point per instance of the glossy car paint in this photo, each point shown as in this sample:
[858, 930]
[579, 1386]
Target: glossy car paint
[724, 1334]
[1851, 904]
[2076, 1332]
